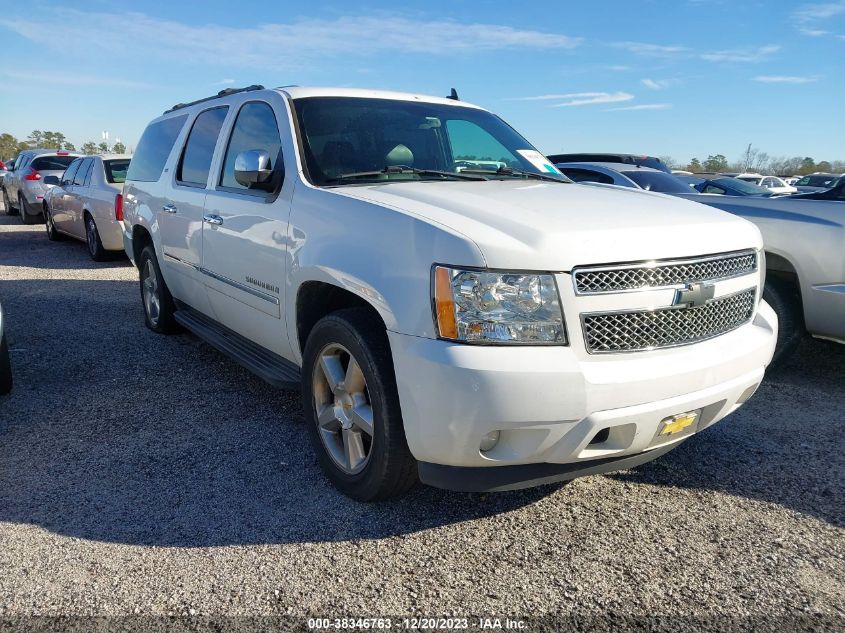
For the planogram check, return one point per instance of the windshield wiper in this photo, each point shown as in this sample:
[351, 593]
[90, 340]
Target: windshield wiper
[518, 173]
[405, 169]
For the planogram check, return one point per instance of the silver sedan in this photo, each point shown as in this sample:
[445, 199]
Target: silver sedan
[86, 203]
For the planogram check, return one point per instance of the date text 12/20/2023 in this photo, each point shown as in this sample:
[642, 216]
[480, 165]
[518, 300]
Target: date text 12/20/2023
[417, 624]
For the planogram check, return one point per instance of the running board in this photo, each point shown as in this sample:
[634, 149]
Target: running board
[266, 365]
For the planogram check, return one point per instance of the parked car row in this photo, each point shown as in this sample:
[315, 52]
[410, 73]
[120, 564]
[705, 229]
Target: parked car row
[804, 238]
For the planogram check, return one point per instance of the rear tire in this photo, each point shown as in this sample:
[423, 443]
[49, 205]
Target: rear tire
[159, 307]
[52, 234]
[352, 411]
[26, 218]
[5, 367]
[92, 240]
[785, 300]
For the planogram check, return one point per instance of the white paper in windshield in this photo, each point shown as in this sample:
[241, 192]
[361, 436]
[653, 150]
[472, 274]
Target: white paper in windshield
[538, 160]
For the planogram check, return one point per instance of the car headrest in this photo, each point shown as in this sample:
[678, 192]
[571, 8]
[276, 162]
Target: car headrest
[399, 155]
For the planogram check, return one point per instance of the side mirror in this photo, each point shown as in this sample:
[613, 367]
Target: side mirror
[252, 167]
[52, 180]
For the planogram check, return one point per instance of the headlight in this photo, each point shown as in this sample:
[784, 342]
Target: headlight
[481, 306]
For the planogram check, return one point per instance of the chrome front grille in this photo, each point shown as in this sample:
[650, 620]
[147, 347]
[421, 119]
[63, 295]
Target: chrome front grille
[639, 276]
[632, 331]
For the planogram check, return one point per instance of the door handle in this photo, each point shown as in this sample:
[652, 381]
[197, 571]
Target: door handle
[169, 208]
[212, 219]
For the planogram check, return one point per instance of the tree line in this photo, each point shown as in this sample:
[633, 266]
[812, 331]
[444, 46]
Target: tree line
[11, 146]
[754, 160]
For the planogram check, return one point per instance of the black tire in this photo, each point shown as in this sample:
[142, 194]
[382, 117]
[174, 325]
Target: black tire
[390, 469]
[7, 204]
[92, 240]
[785, 300]
[26, 218]
[52, 234]
[5, 367]
[164, 321]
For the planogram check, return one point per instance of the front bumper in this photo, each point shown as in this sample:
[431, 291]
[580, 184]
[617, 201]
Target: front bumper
[556, 405]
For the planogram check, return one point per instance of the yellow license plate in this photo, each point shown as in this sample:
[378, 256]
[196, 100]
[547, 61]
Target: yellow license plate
[678, 423]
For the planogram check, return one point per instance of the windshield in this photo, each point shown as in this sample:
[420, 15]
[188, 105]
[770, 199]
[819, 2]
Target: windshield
[348, 140]
[745, 188]
[817, 181]
[657, 181]
[116, 170]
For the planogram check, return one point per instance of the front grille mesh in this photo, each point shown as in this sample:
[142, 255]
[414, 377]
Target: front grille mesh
[649, 329]
[667, 274]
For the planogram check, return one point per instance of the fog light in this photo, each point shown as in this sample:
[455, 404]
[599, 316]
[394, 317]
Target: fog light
[489, 441]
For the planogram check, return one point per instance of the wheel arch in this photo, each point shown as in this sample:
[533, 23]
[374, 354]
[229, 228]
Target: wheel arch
[316, 299]
[141, 238]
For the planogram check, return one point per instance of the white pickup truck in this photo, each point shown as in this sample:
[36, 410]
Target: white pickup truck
[452, 307]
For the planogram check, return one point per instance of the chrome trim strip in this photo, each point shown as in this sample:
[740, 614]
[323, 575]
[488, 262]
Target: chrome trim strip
[231, 282]
[757, 295]
[181, 261]
[655, 263]
[240, 286]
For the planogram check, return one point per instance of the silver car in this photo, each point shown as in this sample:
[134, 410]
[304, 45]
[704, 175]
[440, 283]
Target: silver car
[24, 188]
[86, 203]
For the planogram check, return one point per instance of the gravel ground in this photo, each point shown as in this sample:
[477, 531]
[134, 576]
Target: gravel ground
[142, 474]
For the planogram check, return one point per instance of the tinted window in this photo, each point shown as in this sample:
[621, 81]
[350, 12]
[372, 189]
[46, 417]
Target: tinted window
[817, 181]
[344, 135]
[52, 163]
[586, 175]
[657, 181]
[255, 128]
[82, 172]
[742, 187]
[116, 170]
[713, 189]
[154, 148]
[196, 158]
[67, 177]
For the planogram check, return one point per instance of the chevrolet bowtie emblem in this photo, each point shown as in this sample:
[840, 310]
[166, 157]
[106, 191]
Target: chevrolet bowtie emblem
[694, 295]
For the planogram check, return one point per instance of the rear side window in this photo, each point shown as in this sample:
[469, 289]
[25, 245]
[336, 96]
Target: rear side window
[79, 178]
[154, 148]
[67, 177]
[116, 170]
[255, 128]
[52, 163]
[199, 148]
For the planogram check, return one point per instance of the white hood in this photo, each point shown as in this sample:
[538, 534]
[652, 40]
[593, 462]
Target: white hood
[550, 226]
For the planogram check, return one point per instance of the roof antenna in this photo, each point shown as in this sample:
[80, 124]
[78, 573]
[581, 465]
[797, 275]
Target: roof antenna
[453, 95]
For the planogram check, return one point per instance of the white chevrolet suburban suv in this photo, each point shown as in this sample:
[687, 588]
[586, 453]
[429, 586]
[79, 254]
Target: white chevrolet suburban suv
[452, 307]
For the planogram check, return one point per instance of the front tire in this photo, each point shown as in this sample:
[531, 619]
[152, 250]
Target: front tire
[159, 307]
[92, 239]
[352, 407]
[52, 234]
[785, 300]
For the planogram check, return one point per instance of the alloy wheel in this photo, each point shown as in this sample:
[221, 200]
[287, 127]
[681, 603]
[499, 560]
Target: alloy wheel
[343, 408]
[91, 235]
[152, 302]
